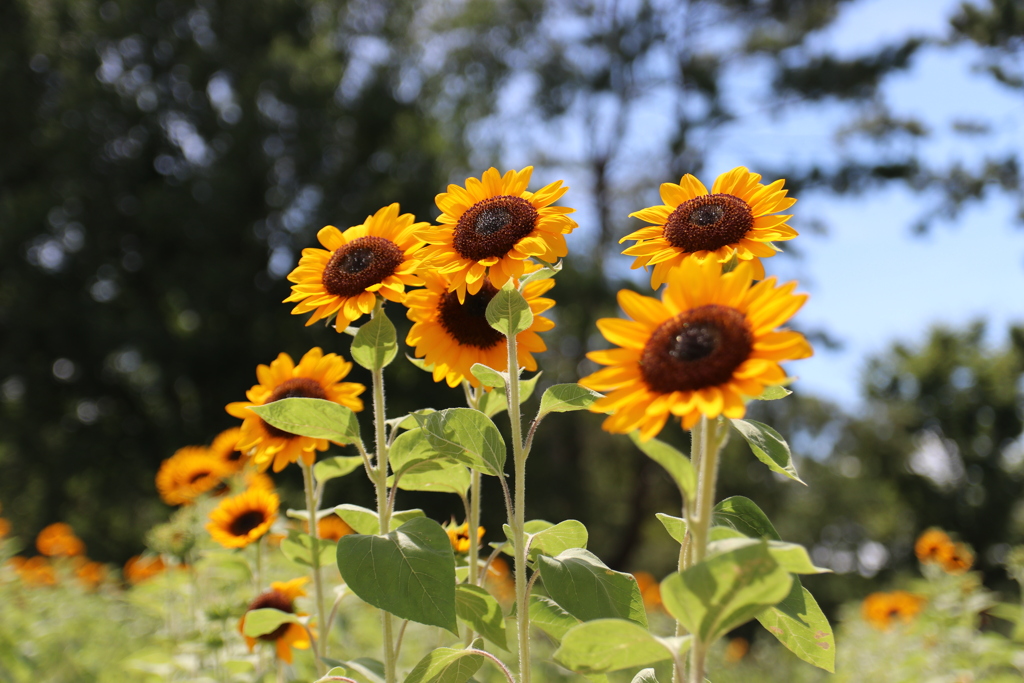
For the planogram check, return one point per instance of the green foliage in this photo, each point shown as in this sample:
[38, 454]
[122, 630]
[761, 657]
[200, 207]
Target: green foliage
[587, 589]
[365, 521]
[557, 538]
[298, 547]
[743, 515]
[645, 676]
[726, 590]
[564, 398]
[338, 466]
[259, 622]
[410, 572]
[476, 607]
[494, 401]
[675, 463]
[800, 625]
[549, 617]
[769, 447]
[376, 343]
[468, 436]
[488, 375]
[312, 417]
[605, 645]
[446, 665]
[508, 312]
[675, 526]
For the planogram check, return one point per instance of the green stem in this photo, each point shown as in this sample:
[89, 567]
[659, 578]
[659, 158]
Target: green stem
[519, 510]
[380, 472]
[318, 581]
[690, 514]
[473, 558]
[710, 440]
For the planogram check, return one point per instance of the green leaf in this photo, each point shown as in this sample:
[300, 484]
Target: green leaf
[587, 589]
[468, 436]
[488, 375]
[508, 312]
[410, 572]
[410, 421]
[773, 393]
[801, 626]
[439, 476]
[675, 526]
[530, 528]
[370, 669]
[541, 273]
[675, 463]
[495, 401]
[259, 622]
[605, 645]
[376, 343]
[332, 468]
[743, 515]
[298, 547]
[715, 596]
[558, 538]
[565, 398]
[549, 617]
[412, 451]
[645, 676]
[769, 447]
[475, 606]
[446, 665]
[792, 557]
[365, 521]
[313, 417]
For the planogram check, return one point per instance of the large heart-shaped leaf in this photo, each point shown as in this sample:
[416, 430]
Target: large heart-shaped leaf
[587, 589]
[376, 343]
[312, 417]
[468, 436]
[605, 645]
[475, 606]
[801, 626]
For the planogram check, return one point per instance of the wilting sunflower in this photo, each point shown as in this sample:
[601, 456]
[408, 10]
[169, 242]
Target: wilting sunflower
[492, 226]
[316, 376]
[451, 335]
[225, 449]
[281, 596]
[459, 536]
[377, 257]
[708, 344]
[59, 539]
[243, 519]
[881, 609]
[734, 219]
[189, 473]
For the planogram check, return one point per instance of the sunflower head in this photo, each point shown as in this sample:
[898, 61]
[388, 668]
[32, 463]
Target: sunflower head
[452, 334]
[316, 376]
[34, 571]
[490, 227]
[931, 545]
[90, 574]
[956, 558]
[281, 596]
[343, 279]
[733, 220]
[59, 539]
[225, 449]
[711, 343]
[459, 536]
[142, 568]
[650, 590]
[332, 528]
[189, 473]
[882, 609]
[243, 519]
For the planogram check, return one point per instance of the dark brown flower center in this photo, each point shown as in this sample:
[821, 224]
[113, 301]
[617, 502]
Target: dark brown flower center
[275, 600]
[359, 264]
[467, 322]
[491, 227]
[199, 475]
[297, 387]
[708, 222]
[246, 522]
[697, 349]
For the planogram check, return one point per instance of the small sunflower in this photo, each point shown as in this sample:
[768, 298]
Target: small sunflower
[281, 596]
[343, 280]
[143, 567]
[225, 449]
[956, 558]
[316, 376]
[189, 473]
[59, 539]
[708, 344]
[931, 545]
[459, 536]
[34, 571]
[243, 519]
[492, 226]
[90, 574]
[332, 528]
[734, 219]
[452, 334]
[881, 609]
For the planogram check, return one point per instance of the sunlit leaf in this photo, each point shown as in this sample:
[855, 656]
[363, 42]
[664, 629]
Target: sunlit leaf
[508, 312]
[605, 645]
[332, 468]
[587, 589]
[475, 606]
[313, 417]
[801, 626]
[259, 622]
[468, 436]
[376, 343]
[564, 398]
[769, 447]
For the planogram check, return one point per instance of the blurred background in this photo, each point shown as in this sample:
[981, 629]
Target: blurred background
[165, 161]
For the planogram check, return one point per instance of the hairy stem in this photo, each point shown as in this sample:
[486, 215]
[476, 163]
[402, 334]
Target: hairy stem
[318, 582]
[519, 510]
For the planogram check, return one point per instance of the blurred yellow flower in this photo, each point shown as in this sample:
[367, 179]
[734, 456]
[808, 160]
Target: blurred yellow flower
[59, 539]
[281, 596]
[188, 474]
[881, 609]
[34, 571]
[142, 567]
[225, 449]
[931, 544]
[243, 519]
[650, 590]
[459, 536]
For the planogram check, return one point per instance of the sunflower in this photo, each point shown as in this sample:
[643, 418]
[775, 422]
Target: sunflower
[734, 219]
[708, 344]
[331, 528]
[316, 376]
[343, 280]
[225, 449]
[931, 545]
[492, 226]
[452, 334]
[459, 536]
[141, 568]
[956, 558]
[90, 574]
[34, 571]
[881, 609]
[243, 519]
[281, 596]
[189, 473]
[59, 539]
